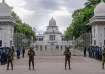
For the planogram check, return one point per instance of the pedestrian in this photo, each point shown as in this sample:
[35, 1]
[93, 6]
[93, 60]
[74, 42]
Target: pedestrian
[23, 52]
[85, 52]
[31, 54]
[18, 53]
[103, 58]
[67, 54]
[10, 59]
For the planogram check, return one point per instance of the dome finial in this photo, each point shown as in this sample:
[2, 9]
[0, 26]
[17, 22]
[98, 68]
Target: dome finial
[52, 17]
[3, 1]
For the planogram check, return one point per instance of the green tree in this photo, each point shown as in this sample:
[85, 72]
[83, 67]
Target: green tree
[23, 33]
[23, 28]
[81, 19]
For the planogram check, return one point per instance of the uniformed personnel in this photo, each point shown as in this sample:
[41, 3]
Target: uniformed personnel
[31, 55]
[103, 58]
[10, 58]
[67, 54]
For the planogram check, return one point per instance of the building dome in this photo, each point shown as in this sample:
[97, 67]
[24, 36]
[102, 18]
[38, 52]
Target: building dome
[100, 9]
[52, 22]
[5, 10]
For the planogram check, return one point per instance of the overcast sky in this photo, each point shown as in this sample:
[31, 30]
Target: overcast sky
[37, 13]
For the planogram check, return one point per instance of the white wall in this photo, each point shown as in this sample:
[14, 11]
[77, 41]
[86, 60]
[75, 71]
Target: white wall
[6, 34]
[99, 34]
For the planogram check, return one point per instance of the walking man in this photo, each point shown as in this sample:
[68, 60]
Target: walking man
[10, 58]
[31, 55]
[67, 54]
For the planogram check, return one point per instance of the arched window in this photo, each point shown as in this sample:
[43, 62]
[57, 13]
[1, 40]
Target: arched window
[57, 46]
[45, 47]
[52, 37]
[65, 46]
[40, 48]
[61, 47]
[36, 47]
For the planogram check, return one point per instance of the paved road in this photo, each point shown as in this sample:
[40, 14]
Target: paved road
[55, 65]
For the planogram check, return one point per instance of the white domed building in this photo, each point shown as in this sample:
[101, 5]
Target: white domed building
[98, 25]
[52, 42]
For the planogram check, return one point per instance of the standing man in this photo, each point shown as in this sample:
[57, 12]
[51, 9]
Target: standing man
[67, 54]
[10, 58]
[18, 53]
[31, 55]
[103, 58]
[23, 52]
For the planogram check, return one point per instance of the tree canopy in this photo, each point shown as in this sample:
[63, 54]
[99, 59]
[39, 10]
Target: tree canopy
[81, 19]
[23, 28]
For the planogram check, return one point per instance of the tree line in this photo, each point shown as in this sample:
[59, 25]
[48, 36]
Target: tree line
[81, 19]
[23, 33]
[22, 27]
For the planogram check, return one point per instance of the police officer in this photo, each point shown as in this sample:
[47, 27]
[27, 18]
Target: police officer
[31, 55]
[18, 53]
[10, 58]
[67, 54]
[103, 58]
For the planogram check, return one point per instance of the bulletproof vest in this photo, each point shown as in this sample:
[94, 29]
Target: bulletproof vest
[31, 53]
[67, 54]
[10, 54]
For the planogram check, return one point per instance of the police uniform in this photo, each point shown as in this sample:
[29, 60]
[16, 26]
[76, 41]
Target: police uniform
[67, 54]
[103, 58]
[10, 59]
[31, 55]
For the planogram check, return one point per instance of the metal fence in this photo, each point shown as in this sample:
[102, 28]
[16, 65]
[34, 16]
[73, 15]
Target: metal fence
[85, 40]
[21, 41]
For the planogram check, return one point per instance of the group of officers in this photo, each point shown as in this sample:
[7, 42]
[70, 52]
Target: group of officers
[97, 53]
[31, 54]
[10, 57]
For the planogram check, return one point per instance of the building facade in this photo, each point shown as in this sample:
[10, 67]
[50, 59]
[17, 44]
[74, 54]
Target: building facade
[51, 42]
[7, 23]
[98, 25]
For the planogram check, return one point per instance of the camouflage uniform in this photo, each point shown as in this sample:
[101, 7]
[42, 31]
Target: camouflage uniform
[31, 55]
[103, 58]
[10, 59]
[67, 54]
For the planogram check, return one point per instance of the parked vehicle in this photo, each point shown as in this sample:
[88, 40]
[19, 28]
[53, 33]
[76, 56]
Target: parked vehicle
[3, 55]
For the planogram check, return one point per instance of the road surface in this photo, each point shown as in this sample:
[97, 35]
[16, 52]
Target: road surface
[55, 65]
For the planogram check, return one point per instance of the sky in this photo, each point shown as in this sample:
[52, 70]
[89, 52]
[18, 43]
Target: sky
[37, 13]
